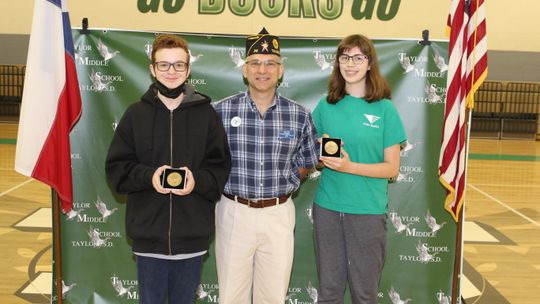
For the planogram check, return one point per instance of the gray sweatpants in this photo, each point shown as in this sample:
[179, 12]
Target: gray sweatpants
[348, 248]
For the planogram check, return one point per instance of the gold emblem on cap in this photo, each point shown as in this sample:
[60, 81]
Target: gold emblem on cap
[331, 147]
[275, 43]
[174, 179]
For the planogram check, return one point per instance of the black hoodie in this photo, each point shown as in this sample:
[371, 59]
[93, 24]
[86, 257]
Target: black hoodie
[150, 135]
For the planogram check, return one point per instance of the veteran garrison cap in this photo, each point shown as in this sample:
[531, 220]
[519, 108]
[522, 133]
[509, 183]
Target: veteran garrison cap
[262, 43]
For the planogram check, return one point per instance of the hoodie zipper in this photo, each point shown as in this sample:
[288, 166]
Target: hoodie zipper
[171, 164]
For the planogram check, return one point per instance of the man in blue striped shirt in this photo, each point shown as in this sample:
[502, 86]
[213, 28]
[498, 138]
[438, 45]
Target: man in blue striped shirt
[273, 145]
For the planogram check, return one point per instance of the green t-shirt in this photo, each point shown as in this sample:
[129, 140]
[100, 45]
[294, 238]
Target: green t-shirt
[366, 129]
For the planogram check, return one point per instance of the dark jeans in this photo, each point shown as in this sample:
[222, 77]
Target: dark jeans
[175, 280]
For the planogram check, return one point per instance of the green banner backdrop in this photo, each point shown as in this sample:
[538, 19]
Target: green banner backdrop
[97, 263]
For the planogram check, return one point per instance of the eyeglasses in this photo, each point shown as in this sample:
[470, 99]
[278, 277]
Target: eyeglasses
[267, 63]
[356, 59]
[164, 66]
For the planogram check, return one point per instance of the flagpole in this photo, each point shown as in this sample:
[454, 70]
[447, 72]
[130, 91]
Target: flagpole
[458, 260]
[464, 66]
[469, 106]
[57, 254]
[458, 273]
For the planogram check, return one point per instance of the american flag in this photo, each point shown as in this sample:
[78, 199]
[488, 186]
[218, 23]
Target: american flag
[51, 101]
[467, 69]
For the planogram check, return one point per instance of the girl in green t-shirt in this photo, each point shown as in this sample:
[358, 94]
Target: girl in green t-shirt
[350, 204]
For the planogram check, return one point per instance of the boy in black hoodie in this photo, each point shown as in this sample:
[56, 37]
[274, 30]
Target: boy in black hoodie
[171, 126]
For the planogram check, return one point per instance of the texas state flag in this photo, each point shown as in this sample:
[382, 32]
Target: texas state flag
[51, 101]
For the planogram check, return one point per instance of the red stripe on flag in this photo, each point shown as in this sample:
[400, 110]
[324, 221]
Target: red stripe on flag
[53, 166]
[477, 49]
[467, 68]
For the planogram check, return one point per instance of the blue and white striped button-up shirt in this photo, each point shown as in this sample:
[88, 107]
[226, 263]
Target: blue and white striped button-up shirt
[267, 151]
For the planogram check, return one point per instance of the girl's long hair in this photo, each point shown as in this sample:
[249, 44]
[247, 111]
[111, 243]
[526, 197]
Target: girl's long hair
[376, 86]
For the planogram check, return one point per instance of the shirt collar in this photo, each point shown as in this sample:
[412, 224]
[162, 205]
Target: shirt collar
[254, 107]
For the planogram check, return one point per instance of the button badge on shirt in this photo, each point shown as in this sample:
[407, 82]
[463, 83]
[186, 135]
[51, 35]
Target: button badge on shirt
[236, 121]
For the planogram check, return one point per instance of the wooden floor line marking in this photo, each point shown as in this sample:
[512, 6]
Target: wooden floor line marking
[16, 187]
[506, 206]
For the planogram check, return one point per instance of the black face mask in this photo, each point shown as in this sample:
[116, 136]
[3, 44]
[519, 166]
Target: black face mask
[169, 93]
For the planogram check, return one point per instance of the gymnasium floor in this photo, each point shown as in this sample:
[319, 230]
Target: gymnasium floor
[501, 230]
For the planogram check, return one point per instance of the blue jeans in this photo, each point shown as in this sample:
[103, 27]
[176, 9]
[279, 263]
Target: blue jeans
[175, 280]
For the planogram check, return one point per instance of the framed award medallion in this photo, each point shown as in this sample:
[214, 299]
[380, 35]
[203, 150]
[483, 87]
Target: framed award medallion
[173, 178]
[330, 147]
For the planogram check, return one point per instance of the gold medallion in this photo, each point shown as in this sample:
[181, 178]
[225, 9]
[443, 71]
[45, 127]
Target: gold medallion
[174, 179]
[331, 147]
